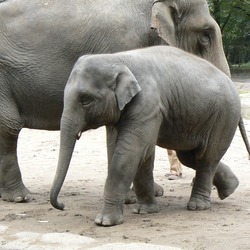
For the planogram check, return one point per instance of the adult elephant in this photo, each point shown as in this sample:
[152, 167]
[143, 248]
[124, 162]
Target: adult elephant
[41, 40]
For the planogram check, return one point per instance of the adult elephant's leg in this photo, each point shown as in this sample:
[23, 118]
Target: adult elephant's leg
[225, 180]
[11, 185]
[144, 188]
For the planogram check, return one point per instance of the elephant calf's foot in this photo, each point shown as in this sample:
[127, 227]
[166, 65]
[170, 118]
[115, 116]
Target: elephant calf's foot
[158, 190]
[227, 187]
[110, 216]
[18, 194]
[146, 208]
[225, 181]
[198, 204]
[131, 197]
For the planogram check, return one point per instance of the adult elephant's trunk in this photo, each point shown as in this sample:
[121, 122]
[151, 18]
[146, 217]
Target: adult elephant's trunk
[67, 144]
[218, 58]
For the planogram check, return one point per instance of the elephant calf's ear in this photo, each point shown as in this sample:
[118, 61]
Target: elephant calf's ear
[126, 87]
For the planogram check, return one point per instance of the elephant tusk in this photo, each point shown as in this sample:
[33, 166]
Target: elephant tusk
[79, 135]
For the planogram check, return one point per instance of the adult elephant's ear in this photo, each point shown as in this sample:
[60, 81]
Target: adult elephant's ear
[163, 20]
[126, 86]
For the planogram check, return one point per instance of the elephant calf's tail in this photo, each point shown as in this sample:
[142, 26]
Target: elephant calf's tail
[244, 136]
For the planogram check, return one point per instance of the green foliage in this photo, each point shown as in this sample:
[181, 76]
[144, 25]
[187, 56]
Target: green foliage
[233, 17]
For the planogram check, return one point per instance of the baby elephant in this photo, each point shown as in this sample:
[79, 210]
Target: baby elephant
[159, 95]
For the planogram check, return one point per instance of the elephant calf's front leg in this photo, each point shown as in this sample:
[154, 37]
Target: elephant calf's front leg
[111, 214]
[120, 175]
[145, 188]
[112, 210]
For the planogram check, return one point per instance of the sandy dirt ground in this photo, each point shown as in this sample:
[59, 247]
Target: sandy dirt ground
[36, 225]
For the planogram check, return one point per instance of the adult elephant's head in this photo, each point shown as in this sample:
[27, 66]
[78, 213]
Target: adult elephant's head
[187, 24]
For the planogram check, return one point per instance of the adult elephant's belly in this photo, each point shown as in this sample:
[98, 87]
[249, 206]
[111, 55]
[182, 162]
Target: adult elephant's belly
[42, 113]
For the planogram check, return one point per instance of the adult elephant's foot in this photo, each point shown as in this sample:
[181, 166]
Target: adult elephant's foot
[198, 203]
[144, 208]
[110, 215]
[131, 197]
[19, 193]
[225, 181]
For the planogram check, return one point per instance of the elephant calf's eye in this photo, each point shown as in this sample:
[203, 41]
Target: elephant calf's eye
[86, 100]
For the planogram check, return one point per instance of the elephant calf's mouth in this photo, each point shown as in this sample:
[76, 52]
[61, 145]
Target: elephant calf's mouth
[79, 133]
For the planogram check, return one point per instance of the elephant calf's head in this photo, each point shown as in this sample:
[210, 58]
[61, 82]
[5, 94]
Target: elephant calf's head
[97, 91]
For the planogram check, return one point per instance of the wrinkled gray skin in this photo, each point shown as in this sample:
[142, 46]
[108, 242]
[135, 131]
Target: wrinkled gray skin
[192, 104]
[40, 42]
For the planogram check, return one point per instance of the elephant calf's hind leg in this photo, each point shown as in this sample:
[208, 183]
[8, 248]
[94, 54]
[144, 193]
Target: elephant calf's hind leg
[200, 197]
[225, 181]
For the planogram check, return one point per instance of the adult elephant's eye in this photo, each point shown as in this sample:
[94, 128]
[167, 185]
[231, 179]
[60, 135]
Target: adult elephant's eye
[85, 100]
[205, 37]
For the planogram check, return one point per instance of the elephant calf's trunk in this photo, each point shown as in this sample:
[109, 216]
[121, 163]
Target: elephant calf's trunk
[54, 202]
[67, 144]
